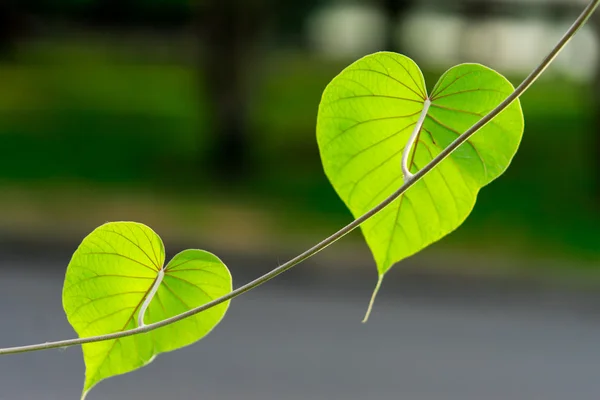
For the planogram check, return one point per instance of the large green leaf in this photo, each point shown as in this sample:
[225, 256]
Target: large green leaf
[366, 116]
[109, 277]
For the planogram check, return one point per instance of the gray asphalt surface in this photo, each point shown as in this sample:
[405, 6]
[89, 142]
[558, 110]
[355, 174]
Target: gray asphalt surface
[298, 340]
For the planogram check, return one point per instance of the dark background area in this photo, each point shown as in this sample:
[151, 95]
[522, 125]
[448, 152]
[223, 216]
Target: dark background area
[198, 119]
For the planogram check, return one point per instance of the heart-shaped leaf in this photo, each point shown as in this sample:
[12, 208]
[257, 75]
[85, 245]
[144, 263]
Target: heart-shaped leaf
[109, 277]
[366, 116]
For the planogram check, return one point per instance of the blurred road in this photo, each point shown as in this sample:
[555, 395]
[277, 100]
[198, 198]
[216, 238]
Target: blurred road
[297, 340]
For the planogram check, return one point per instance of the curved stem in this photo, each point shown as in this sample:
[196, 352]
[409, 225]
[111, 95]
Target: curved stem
[150, 296]
[411, 141]
[579, 22]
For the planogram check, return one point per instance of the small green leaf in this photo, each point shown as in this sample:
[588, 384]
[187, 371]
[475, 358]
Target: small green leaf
[366, 117]
[107, 281]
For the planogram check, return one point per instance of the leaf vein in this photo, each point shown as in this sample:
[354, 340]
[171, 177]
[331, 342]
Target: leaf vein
[362, 178]
[362, 96]
[339, 78]
[469, 91]
[203, 271]
[119, 255]
[390, 77]
[408, 73]
[362, 151]
[105, 276]
[438, 92]
[157, 261]
[485, 171]
[196, 286]
[341, 133]
[95, 300]
[135, 244]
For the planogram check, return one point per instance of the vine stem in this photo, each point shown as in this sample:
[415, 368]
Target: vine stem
[529, 80]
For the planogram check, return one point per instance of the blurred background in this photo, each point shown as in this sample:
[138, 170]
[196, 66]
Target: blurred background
[198, 119]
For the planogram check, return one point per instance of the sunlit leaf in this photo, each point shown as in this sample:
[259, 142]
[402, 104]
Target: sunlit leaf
[107, 281]
[366, 116]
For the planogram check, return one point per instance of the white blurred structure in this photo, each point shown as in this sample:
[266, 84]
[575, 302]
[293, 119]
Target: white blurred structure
[347, 30]
[509, 45]
[435, 33]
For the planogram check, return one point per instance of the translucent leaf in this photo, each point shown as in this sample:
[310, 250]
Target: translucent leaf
[107, 281]
[366, 117]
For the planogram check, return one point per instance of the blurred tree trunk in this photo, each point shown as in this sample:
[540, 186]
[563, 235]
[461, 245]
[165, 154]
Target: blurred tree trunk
[396, 11]
[595, 131]
[113, 13]
[9, 28]
[229, 30]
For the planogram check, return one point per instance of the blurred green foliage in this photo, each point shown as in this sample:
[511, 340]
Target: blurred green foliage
[97, 113]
